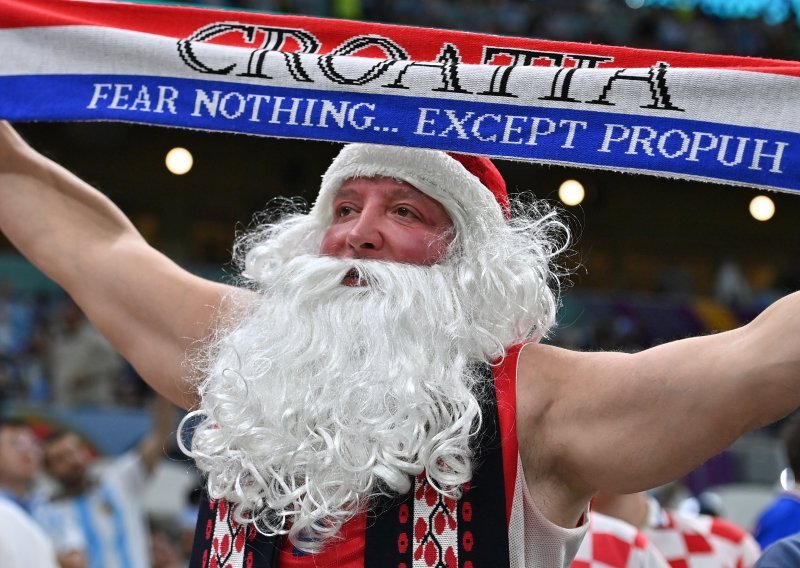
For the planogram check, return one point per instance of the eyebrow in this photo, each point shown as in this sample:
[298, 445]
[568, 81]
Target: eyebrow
[401, 192]
[344, 192]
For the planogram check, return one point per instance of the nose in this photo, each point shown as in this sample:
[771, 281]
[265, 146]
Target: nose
[365, 232]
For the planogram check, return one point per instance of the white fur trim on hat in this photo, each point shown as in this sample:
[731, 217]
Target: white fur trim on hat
[432, 172]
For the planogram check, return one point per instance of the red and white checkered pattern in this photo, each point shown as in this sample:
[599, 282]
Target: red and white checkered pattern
[611, 543]
[702, 541]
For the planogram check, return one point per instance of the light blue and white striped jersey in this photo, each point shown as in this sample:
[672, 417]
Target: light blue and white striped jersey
[107, 523]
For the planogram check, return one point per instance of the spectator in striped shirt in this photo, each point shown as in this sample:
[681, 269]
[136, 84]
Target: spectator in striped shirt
[98, 514]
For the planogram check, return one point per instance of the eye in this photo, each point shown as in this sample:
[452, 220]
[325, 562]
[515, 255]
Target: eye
[406, 212]
[343, 211]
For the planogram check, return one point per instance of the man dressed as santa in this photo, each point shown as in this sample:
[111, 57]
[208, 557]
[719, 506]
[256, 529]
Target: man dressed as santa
[374, 393]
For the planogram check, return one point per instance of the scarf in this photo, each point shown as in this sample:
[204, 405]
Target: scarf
[725, 119]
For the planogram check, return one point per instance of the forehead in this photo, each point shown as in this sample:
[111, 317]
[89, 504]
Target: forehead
[386, 187]
[68, 441]
[11, 431]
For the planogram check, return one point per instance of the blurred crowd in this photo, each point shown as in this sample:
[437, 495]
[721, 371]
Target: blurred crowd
[617, 22]
[64, 506]
[51, 354]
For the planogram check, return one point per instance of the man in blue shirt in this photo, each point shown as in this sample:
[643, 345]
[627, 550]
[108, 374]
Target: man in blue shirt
[783, 554]
[782, 517]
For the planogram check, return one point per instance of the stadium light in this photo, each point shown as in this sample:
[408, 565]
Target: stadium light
[762, 208]
[571, 192]
[179, 161]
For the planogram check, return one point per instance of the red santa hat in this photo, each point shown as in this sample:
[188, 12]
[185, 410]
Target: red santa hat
[470, 188]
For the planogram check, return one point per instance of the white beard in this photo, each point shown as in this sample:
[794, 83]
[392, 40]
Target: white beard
[324, 395]
[361, 389]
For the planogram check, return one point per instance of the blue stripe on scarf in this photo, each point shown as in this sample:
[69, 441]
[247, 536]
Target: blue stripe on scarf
[769, 157]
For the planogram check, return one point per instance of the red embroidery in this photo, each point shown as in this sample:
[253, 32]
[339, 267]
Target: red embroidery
[402, 513]
[467, 541]
[435, 527]
[239, 543]
[228, 538]
[467, 536]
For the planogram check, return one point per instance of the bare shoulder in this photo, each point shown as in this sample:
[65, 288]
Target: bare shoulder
[557, 387]
[542, 372]
[548, 368]
[556, 390]
[547, 372]
[548, 387]
[536, 384]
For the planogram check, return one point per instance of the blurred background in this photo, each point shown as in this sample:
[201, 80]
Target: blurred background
[652, 260]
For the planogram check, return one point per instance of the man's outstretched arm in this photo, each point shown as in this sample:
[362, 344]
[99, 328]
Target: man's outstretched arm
[150, 309]
[625, 423]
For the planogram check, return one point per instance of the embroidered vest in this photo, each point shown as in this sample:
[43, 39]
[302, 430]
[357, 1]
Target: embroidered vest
[421, 528]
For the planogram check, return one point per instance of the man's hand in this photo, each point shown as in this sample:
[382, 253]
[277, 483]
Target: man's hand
[72, 559]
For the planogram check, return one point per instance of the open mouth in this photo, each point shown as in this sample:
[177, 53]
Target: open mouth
[353, 278]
